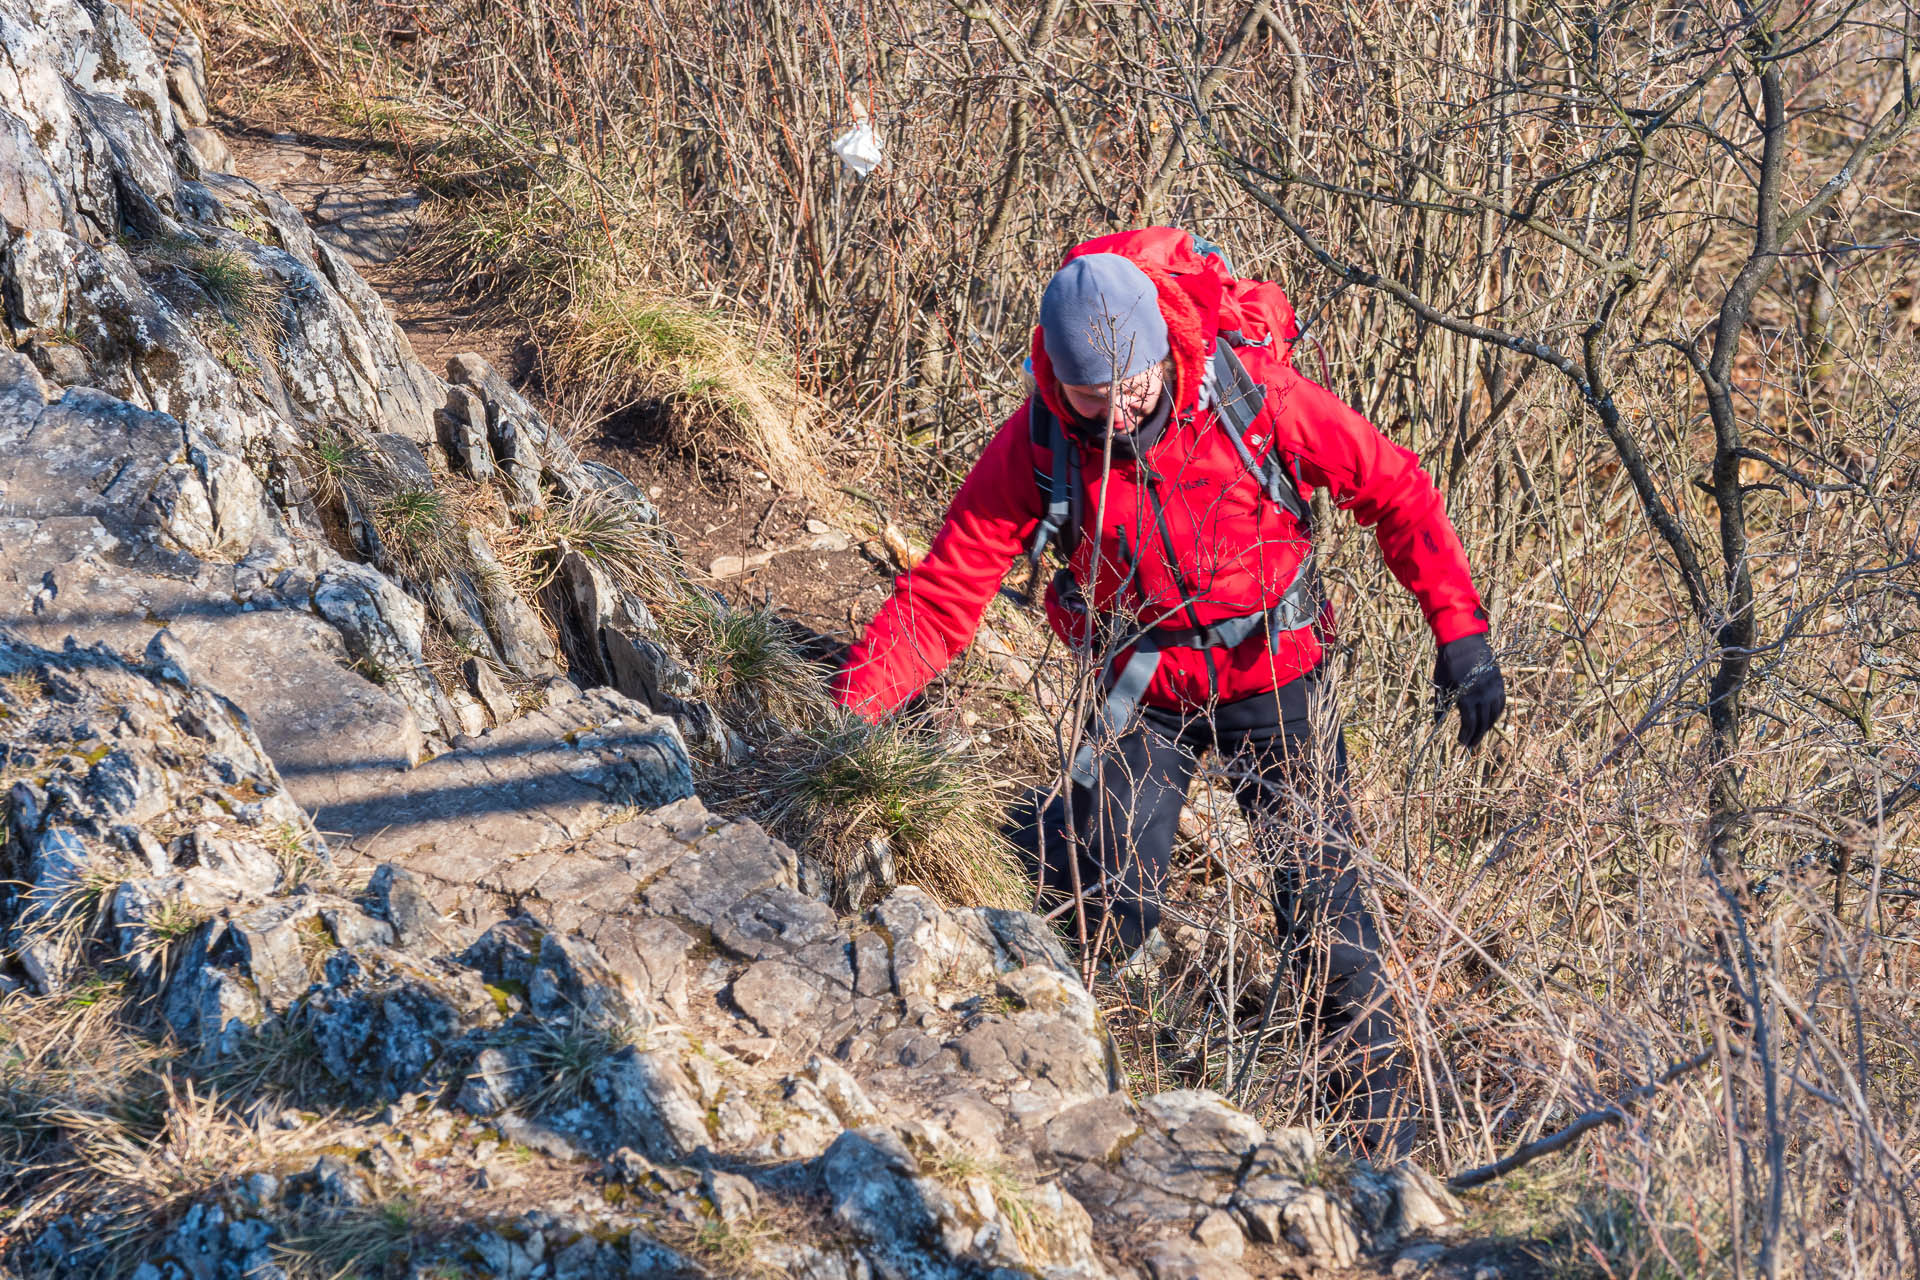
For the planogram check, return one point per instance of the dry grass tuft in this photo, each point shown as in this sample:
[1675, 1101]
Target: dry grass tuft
[419, 531]
[249, 299]
[332, 1243]
[727, 397]
[637, 556]
[59, 920]
[745, 656]
[336, 464]
[510, 226]
[937, 809]
[566, 1056]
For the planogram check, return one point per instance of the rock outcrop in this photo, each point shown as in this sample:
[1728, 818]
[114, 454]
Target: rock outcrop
[209, 422]
[576, 1023]
[595, 968]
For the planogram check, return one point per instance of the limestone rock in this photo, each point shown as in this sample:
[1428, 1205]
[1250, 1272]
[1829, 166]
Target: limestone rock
[570, 982]
[206, 1242]
[498, 1078]
[398, 898]
[930, 947]
[462, 423]
[1185, 1260]
[383, 1023]
[653, 1104]
[902, 1219]
[1093, 1130]
[209, 148]
[1321, 1228]
[1220, 1234]
[118, 747]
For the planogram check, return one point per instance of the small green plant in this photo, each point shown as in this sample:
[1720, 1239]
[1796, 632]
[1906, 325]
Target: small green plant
[337, 464]
[373, 669]
[247, 298]
[163, 935]
[175, 919]
[250, 225]
[566, 1056]
[417, 529]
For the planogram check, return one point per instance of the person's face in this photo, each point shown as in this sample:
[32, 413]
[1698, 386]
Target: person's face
[1136, 399]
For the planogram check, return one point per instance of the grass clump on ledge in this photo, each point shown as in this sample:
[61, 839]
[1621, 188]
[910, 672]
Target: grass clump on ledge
[727, 397]
[335, 464]
[745, 656]
[418, 530]
[233, 284]
[635, 554]
[937, 809]
[513, 231]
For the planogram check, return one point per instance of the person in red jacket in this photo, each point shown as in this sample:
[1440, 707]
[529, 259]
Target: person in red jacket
[1185, 584]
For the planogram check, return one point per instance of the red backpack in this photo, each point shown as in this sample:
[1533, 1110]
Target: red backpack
[1253, 313]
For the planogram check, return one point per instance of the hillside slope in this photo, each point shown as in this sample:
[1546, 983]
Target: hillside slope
[362, 917]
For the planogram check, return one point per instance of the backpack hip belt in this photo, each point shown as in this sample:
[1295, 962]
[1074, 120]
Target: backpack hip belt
[1127, 683]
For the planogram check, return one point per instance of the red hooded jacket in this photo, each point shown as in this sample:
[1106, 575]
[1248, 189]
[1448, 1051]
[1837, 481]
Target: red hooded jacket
[1233, 551]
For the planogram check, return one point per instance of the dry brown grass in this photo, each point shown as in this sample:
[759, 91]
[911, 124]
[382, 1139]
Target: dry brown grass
[636, 556]
[935, 806]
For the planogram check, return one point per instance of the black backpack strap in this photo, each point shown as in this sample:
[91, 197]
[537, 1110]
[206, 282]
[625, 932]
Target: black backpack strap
[1059, 486]
[1237, 401]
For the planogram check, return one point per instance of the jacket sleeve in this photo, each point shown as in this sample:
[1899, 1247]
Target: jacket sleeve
[1384, 486]
[936, 606]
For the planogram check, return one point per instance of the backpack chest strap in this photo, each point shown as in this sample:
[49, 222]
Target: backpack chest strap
[1127, 682]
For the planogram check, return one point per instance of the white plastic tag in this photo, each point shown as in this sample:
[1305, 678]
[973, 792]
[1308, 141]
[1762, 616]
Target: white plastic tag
[859, 148]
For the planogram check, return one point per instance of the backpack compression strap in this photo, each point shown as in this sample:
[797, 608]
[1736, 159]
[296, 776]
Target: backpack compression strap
[1237, 400]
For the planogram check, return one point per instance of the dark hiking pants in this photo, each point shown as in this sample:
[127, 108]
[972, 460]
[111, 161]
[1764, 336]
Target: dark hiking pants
[1298, 807]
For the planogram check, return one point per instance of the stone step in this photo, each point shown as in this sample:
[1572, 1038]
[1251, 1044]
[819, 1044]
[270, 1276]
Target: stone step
[537, 806]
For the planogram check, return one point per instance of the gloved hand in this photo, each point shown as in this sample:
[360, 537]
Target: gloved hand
[1467, 677]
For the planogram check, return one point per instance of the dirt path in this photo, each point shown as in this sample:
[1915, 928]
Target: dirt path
[757, 544]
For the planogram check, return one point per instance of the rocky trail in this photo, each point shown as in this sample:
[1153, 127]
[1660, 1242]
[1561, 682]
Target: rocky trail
[481, 985]
[754, 542]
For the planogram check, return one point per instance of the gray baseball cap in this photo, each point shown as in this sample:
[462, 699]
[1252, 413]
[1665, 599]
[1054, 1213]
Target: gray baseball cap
[1100, 321]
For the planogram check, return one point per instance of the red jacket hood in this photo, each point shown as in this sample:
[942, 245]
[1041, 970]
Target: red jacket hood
[1192, 323]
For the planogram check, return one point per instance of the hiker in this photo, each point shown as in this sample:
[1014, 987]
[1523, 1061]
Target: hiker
[1166, 454]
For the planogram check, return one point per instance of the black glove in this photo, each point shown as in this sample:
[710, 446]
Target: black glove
[1467, 676]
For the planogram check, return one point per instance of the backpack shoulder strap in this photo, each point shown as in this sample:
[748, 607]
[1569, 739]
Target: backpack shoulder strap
[1059, 484]
[1237, 402]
